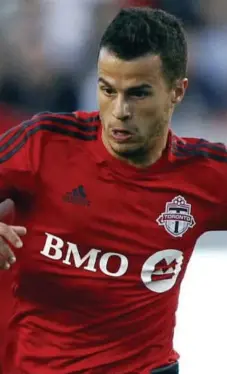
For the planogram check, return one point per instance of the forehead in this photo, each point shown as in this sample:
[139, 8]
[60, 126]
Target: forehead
[146, 69]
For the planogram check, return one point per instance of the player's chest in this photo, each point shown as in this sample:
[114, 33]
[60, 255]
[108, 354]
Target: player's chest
[95, 207]
[90, 224]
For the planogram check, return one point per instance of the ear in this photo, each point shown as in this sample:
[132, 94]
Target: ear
[179, 90]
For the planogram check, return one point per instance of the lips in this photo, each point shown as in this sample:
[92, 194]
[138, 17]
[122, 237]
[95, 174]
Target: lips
[121, 135]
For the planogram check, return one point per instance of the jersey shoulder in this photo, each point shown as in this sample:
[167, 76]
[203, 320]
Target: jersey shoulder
[79, 125]
[184, 148]
[32, 136]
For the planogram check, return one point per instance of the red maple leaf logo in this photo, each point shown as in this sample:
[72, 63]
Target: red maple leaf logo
[164, 266]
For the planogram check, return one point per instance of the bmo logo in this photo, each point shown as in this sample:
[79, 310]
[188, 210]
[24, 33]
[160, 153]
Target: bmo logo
[91, 261]
[159, 272]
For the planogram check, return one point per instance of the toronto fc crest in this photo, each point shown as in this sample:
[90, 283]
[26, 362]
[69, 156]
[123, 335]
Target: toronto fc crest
[177, 218]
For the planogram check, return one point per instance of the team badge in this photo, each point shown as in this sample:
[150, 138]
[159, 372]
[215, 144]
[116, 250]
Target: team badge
[177, 218]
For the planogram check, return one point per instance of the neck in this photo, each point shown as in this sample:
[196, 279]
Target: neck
[141, 158]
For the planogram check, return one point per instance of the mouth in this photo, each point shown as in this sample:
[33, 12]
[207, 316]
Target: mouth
[121, 135]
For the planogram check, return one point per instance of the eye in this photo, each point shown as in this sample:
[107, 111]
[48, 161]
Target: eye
[108, 91]
[139, 94]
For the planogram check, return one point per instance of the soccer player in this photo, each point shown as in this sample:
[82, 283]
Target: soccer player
[113, 203]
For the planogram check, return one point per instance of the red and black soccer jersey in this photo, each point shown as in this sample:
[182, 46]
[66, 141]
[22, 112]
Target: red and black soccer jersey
[108, 244]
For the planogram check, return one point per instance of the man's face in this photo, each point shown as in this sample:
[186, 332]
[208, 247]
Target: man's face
[135, 102]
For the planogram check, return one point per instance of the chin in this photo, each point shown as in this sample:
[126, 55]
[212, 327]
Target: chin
[127, 150]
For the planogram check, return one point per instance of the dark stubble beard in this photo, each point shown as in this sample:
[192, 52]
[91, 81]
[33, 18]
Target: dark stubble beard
[140, 157]
[149, 152]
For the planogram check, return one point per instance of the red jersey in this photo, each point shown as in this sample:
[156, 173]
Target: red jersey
[6, 277]
[108, 244]
[6, 305]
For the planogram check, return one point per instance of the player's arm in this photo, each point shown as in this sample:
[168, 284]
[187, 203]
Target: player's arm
[17, 170]
[10, 236]
[17, 176]
[22, 151]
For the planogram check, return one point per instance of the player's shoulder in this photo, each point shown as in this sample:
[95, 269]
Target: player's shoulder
[78, 125]
[82, 126]
[45, 130]
[198, 149]
[86, 118]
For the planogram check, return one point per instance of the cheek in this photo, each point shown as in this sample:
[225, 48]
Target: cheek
[147, 109]
[156, 108]
[151, 117]
[105, 113]
[104, 105]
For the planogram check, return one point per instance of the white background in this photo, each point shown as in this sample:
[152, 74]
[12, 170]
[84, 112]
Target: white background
[201, 332]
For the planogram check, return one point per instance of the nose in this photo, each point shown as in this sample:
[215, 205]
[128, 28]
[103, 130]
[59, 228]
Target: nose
[121, 109]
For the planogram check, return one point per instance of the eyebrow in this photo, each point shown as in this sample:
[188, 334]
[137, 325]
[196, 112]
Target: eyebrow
[139, 87]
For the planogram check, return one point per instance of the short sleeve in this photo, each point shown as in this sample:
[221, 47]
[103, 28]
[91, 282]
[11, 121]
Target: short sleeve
[17, 173]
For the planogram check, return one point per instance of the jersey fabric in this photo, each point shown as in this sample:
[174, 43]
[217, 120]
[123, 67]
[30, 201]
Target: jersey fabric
[6, 278]
[6, 305]
[98, 278]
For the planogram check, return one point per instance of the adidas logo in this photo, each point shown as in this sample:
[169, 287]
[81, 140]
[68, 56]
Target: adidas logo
[77, 196]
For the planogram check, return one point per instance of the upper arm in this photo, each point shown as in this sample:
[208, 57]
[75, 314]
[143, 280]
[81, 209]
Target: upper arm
[17, 171]
[25, 149]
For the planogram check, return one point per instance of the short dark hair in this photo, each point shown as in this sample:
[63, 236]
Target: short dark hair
[136, 32]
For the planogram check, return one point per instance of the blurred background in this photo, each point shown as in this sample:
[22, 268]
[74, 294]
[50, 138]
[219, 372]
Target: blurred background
[49, 52]
[48, 63]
